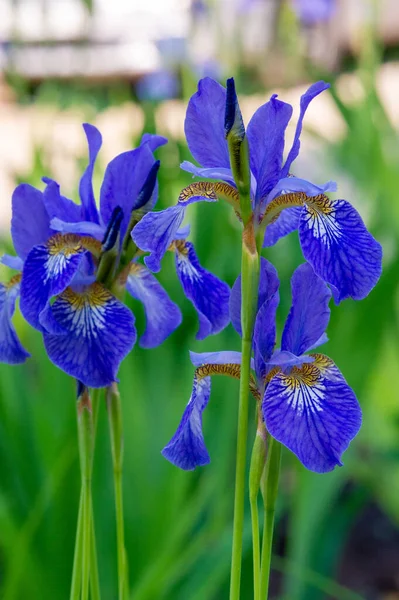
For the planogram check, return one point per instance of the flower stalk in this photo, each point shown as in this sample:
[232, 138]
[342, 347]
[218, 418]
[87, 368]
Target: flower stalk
[116, 435]
[269, 492]
[86, 446]
[249, 292]
[258, 460]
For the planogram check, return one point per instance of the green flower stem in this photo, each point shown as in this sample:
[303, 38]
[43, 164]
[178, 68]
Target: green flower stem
[116, 435]
[269, 491]
[94, 577]
[77, 559]
[258, 460]
[249, 291]
[85, 434]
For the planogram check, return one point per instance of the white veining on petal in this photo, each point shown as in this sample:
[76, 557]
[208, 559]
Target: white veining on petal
[302, 397]
[55, 265]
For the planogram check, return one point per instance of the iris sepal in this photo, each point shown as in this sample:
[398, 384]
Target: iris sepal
[99, 333]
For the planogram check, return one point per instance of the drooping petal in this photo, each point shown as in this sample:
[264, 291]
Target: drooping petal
[287, 222]
[155, 233]
[268, 285]
[11, 350]
[89, 208]
[265, 134]
[187, 448]
[124, 178]
[306, 99]
[162, 315]
[58, 206]
[30, 223]
[209, 295]
[204, 125]
[12, 262]
[342, 252]
[154, 141]
[48, 270]
[100, 333]
[82, 228]
[314, 415]
[309, 314]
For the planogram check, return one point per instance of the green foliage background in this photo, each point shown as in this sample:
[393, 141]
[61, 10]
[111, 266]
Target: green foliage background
[178, 525]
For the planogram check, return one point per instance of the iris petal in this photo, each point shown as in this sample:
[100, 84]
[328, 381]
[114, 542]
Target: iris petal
[306, 99]
[187, 448]
[155, 233]
[224, 357]
[309, 314]
[314, 414]
[30, 224]
[89, 208]
[295, 184]
[11, 350]
[100, 333]
[204, 125]
[209, 295]
[58, 206]
[287, 222]
[265, 134]
[154, 141]
[337, 244]
[48, 270]
[124, 177]
[162, 315]
[220, 173]
[82, 228]
[12, 262]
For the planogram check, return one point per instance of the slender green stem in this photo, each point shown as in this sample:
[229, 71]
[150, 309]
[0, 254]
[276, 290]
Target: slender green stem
[116, 435]
[86, 542]
[249, 294]
[270, 489]
[258, 460]
[94, 577]
[77, 559]
[240, 472]
[85, 434]
[255, 546]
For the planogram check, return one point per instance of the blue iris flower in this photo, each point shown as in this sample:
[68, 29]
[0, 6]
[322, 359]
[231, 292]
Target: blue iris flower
[87, 331]
[304, 400]
[333, 237]
[310, 12]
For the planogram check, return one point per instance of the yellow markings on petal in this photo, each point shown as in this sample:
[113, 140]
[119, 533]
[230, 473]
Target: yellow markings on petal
[15, 279]
[317, 205]
[179, 246]
[271, 374]
[275, 207]
[66, 244]
[229, 369]
[322, 362]
[70, 243]
[93, 296]
[308, 374]
[92, 245]
[212, 191]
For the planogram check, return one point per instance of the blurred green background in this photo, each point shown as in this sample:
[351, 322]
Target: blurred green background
[337, 535]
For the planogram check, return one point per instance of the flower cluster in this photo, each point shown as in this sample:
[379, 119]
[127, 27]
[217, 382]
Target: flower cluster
[74, 262]
[303, 399]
